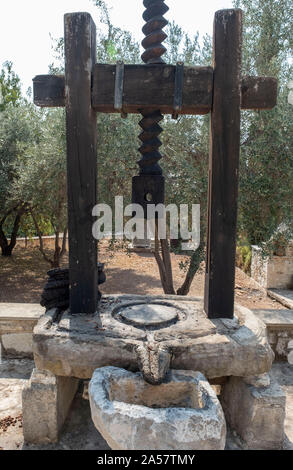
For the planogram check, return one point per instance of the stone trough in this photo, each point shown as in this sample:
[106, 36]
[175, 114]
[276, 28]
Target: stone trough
[182, 413]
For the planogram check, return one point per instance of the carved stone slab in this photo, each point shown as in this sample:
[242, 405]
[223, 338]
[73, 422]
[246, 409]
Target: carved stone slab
[75, 345]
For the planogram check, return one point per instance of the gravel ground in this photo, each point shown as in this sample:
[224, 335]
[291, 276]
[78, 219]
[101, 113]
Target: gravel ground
[79, 432]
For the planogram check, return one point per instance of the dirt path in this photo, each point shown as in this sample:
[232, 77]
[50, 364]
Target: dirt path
[23, 276]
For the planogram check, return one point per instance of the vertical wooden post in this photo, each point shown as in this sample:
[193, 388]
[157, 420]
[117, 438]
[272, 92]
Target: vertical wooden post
[80, 57]
[223, 165]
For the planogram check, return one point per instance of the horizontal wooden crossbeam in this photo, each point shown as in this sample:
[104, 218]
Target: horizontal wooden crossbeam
[152, 86]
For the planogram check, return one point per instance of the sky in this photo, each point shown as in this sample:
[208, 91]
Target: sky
[26, 25]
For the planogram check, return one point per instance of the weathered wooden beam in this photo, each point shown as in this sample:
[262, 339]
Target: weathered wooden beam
[223, 165]
[49, 91]
[156, 87]
[259, 92]
[152, 86]
[80, 57]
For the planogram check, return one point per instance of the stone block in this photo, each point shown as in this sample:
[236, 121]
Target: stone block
[183, 413]
[279, 325]
[258, 381]
[256, 413]
[275, 272]
[46, 400]
[19, 318]
[75, 345]
[18, 344]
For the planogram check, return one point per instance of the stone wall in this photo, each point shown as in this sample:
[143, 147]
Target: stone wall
[275, 272]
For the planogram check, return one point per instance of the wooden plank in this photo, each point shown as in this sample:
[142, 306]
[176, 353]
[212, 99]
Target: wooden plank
[152, 86]
[80, 57]
[223, 165]
[257, 92]
[49, 91]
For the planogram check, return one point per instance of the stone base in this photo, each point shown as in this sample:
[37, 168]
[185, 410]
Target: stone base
[255, 409]
[75, 345]
[279, 325]
[17, 322]
[18, 345]
[46, 400]
[183, 413]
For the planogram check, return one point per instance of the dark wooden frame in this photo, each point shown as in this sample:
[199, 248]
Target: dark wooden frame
[88, 88]
[156, 85]
[223, 165]
[81, 137]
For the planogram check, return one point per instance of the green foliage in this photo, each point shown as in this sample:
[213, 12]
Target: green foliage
[181, 47]
[27, 227]
[117, 153]
[268, 37]
[19, 127]
[266, 165]
[115, 44]
[32, 142]
[243, 257]
[42, 181]
[10, 89]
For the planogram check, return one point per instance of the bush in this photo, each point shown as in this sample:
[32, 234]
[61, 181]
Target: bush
[243, 258]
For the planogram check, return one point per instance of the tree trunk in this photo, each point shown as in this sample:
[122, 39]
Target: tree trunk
[58, 251]
[195, 261]
[4, 243]
[56, 258]
[41, 245]
[6, 247]
[164, 263]
[165, 266]
[15, 229]
[63, 249]
[6, 250]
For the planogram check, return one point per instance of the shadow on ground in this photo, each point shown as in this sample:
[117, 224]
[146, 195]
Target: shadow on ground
[126, 280]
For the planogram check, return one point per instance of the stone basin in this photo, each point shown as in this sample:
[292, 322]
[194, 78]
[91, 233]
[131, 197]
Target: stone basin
[182, 413]
[152, 334]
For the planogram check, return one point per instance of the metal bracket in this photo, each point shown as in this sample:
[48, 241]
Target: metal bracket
[177, 104]
[119, 83]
